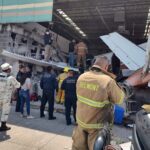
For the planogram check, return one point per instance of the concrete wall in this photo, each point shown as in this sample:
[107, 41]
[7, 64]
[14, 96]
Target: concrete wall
[59, 41]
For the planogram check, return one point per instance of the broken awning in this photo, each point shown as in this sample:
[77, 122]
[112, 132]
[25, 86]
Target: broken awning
[130, 54]
[19, 11]
[30, 60]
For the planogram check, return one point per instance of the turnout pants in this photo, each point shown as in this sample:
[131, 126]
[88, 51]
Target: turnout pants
[84, 139]
[5, 109]
[47, 97]
[60, 96]
[81, 60]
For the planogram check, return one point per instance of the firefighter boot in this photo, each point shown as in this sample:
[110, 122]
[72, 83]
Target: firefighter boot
[4, 127]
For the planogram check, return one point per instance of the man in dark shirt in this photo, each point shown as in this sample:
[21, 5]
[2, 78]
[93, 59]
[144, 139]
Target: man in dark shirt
[19, 76]
[48, 85]
[47, 38]
[71, 52]
[69, 86]
[47, 42]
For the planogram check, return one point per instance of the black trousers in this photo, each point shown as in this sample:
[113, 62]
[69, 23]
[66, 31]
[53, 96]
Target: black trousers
[47, 97]
[18, 101]
[70, 102]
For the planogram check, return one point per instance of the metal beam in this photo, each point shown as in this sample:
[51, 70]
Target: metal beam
[102, 4]
[76, 34]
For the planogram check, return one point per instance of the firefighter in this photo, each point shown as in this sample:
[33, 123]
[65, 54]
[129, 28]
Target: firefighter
[69, 86]
[97, 91]
[81, 51]
[7, 84]
[61, 94]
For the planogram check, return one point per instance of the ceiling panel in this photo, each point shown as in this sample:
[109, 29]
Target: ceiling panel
[98, 17]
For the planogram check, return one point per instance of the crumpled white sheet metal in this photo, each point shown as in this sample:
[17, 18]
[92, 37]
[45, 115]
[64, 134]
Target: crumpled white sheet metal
[35, 61]
[147, 59]
[130, 54]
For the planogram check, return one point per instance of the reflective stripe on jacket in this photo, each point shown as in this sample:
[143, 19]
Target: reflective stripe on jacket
[92, 103]
[61, 78]
[90, 126]
[96, 94]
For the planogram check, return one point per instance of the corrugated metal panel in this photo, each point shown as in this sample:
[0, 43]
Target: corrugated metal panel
[143, 46]
[129, 53]
[19, 11]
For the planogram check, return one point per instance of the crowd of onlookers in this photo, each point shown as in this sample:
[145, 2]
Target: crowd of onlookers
[55, 86]
[61, 87]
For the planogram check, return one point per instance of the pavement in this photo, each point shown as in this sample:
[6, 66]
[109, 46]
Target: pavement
[43, 134]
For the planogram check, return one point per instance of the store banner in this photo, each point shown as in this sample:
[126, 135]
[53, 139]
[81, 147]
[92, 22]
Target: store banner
[20, 11]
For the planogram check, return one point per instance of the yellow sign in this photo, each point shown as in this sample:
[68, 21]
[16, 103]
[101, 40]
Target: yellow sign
[89, 86]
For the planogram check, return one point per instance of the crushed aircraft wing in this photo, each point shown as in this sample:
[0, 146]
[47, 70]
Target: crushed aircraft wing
[130, 54]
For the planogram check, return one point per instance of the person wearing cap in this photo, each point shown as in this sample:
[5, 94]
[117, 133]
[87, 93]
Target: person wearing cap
[97, 92]
[69, 86]
[7, 85]
[60, 97]
[48, 84]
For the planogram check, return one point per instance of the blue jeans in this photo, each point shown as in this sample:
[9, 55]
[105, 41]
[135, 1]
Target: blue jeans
[24, 98]
[71, 59]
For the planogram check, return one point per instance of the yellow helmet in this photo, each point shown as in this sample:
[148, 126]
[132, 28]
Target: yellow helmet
[66, 69]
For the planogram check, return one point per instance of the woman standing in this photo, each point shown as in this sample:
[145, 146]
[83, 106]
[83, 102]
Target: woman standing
[25, 94]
